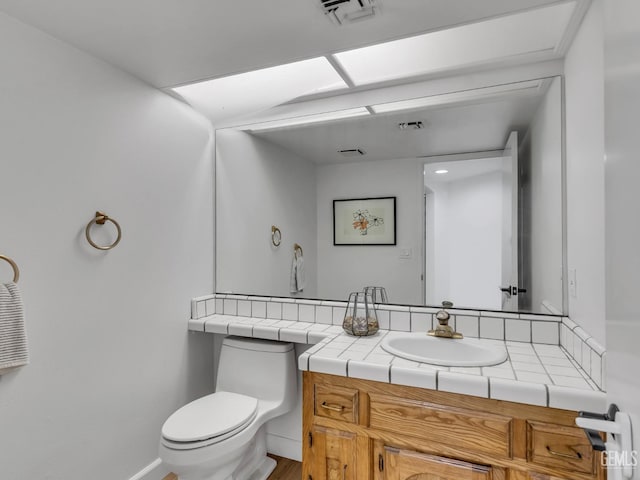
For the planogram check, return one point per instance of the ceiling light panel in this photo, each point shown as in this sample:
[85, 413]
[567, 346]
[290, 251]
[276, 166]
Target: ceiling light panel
[234, 95]
[533, 31]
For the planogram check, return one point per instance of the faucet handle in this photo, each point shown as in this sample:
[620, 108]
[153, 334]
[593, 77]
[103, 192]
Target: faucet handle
[447, 304]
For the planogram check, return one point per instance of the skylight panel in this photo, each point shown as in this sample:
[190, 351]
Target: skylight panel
[532, 31]
[235, 95]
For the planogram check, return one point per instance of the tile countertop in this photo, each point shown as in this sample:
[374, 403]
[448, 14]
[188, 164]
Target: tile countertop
[534, 374]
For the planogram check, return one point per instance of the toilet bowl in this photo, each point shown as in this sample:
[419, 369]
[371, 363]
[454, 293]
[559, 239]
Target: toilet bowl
[222, 436]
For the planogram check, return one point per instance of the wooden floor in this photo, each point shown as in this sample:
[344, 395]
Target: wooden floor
[285, 470]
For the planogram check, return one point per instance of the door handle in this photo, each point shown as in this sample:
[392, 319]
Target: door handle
[512, 290]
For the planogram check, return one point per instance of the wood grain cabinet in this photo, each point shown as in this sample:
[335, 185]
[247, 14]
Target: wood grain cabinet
[364, 430]
[410, 465]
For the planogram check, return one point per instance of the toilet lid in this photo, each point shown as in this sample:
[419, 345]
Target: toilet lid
[210, 416]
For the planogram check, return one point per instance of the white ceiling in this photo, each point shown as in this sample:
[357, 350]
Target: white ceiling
[474, 126]
[172, 42]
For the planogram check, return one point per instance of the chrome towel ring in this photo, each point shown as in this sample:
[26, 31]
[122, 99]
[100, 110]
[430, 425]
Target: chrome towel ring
[100, 219]
[16, 270]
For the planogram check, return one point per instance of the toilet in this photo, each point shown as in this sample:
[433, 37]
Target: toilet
[222, 436]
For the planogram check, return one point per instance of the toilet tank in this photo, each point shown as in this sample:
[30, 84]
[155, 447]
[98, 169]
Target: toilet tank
[262, 369]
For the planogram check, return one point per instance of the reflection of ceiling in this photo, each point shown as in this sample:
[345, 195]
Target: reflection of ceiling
[169, 42]
[472, 127]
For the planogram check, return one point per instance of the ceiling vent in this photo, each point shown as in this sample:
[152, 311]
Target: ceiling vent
[411, 125]
[351, 152]
[341, 12]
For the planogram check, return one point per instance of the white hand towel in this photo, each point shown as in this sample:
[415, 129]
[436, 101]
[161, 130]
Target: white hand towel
[13, 337]
[297, 279]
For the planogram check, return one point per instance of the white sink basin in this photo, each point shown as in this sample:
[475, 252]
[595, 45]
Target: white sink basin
[464, 352]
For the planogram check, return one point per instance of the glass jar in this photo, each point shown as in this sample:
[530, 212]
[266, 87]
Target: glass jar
[378, 294]
[360, 319]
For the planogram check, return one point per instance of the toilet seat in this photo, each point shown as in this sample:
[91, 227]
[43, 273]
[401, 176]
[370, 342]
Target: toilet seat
[209, 420]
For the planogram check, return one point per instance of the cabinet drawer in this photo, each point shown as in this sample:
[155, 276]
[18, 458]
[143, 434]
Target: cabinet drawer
[559, 446]
[339, 403]
[466, 429]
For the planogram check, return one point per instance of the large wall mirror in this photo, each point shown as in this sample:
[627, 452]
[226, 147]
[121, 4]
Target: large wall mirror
[477, 178]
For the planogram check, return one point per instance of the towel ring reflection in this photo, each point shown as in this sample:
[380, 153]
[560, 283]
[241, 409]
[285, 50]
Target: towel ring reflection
[100, 219]
[297, 247]
[276, 236]
[16, 270]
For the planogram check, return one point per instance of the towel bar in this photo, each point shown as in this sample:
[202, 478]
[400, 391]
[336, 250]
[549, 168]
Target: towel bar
[16, 270]
[100, 219]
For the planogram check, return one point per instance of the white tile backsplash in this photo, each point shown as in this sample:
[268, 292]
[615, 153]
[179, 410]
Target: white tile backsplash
[324, 315]
[420, 322]
[383, 319]
[468, 326]
[306, 313]
[201, 309]
[492, 327]
[400, 321]
[259, 309]
[244, 308]
[210, 306]
[219, 305]
[230, 306]
[517, 330]
[274, 310]
[290, 311]
[545, 332]
[338, 315]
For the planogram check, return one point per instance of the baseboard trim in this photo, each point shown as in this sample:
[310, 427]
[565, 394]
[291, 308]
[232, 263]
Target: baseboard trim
[153, 471]
[284, 447]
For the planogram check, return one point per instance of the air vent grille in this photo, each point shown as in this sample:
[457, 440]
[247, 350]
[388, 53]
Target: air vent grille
[352, 152]
[411, 125]
[341, 12]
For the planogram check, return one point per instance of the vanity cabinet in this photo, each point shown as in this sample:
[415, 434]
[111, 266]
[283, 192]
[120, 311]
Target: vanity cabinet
[365, 430]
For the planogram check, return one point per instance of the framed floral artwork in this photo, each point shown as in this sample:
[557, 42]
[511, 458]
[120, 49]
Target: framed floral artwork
[364, 221]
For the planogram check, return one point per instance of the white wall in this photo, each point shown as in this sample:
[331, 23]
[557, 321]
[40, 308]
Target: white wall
[545, 183]
[361, 266]
[585, 173]
[622, 237]
[110, 354]
[259, 185]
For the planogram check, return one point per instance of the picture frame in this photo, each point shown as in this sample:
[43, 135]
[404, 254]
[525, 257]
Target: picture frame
[364, 221]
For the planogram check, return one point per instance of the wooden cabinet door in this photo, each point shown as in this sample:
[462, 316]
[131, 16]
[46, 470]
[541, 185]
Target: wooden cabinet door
[332, 455]
[409, 465]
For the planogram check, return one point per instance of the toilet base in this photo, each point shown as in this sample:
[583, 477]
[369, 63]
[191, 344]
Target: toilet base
[267, 466]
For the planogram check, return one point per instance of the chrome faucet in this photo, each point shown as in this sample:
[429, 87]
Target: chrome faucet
[443, 329]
